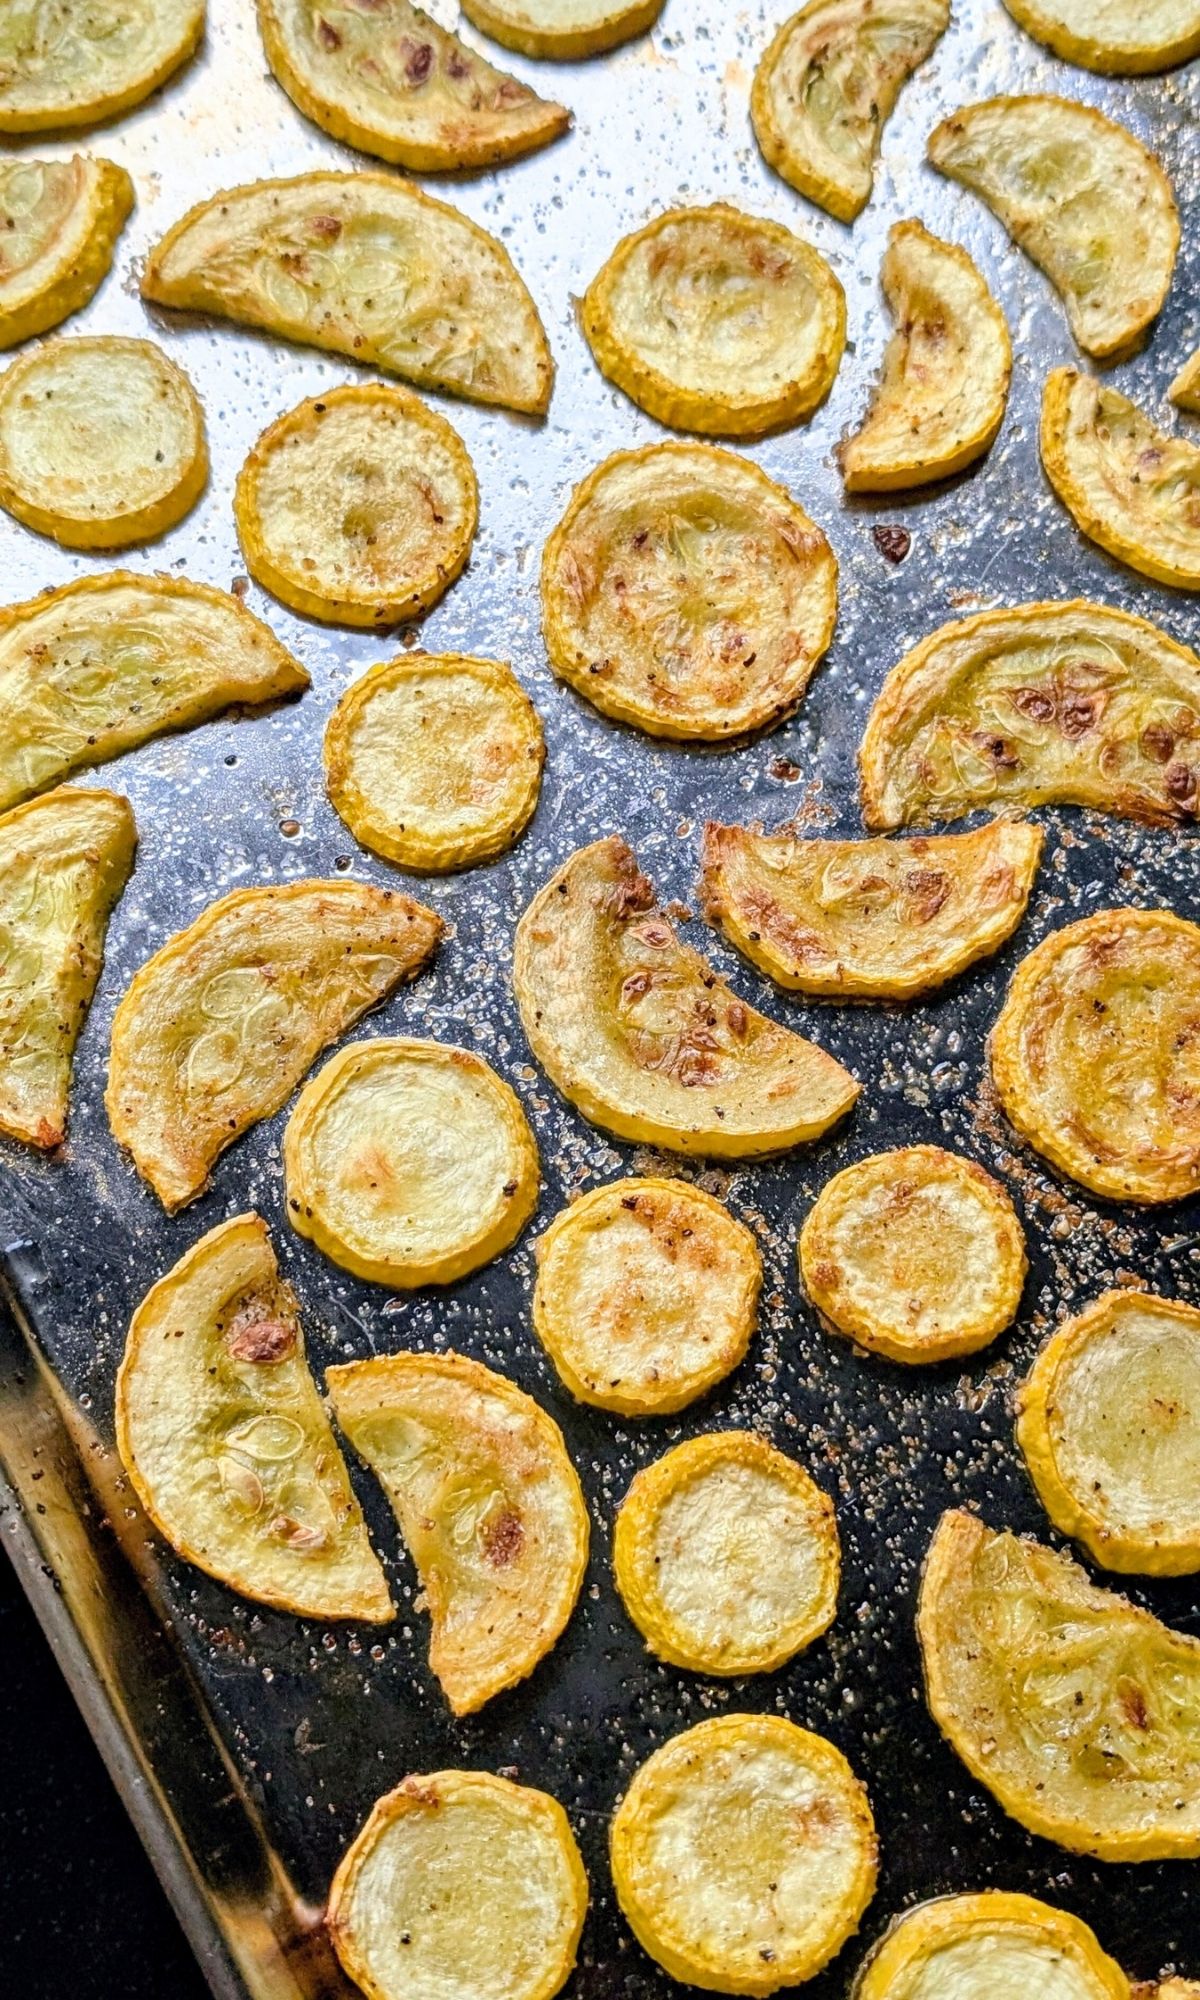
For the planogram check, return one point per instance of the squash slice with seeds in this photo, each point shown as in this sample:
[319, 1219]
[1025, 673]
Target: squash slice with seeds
[488, 1503]
[76, 62]
[1129, 486]
[59, 224]
[366, 266]
[1115, 37]
[998, 1944]
[636, 1030]
[221, 1430]
[562, 30]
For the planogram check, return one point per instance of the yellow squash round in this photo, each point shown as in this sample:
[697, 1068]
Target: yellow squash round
[562, 30]
[1130, 486]
[59, 224]
[73, 62]
[1115, 37]
[990, 1946]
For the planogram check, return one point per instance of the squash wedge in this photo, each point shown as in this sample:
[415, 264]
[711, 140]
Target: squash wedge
[488, 1503]
[1068, 703]
[1128, 485]
[995, 1943]
[73, 62]
[1114, 37]
[1082, 197]
[218, 1028]
[221, 1430]
[64, 861]
[1073, 1707]
[1184, 390]
[107, 662]
[562, 30]
[369, 267]
[59, 224]
[639, 1034]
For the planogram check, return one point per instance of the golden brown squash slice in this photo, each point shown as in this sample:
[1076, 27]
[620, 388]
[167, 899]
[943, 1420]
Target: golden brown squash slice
[946, 369]
[1185, 388]
[868, 919]
[562, 30]
[1081, 196]
[105, 663]
[59, 224]
[644, 1039]
[1069, 703]
[1077, 1710]
[1130, 487]
[75, 62]
[1004, 1946]
[222, 1432]
[1115, 37]
[488, 1503]
[383, 76]
[369, 267]
[827, 86]
[64, 861]
[218, 1028]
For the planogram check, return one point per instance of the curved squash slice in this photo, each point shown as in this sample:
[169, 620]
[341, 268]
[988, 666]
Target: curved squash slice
[1115, 37]
[635, 1029]
[1077, 1710]
[383, 76]
[1185, 388]
[221, 1430]
[716, 321]
[1082, 196]
[488, 1502]
[994, 1944]
[364, 265]
[868, 919]
[75, 62]
[105, 663]
[827, 86]
[1070, 704]
[1130, 487]
[562, 30]
[64, 861]
[218, 1028]
[946, 369]
[59, 224]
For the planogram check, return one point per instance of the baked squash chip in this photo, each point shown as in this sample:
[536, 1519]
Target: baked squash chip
[1081, 196]
[1185, 387]
[1094, 1053]
[64, 860]
[1115, 37]
[716, 321]
[59, 224]
[562, 30]
[367, 266]
[995, 1943]
[218, 1028]
[460, 1885]
[946, 369]
[1076, 1709]
[744, 1854]
[222, 1433]
[646, 1041]
[868, 919]
[105, 663]
[488, 1503]
[1129, 486]
[827, 86]
[1066, 703]
[73, 62]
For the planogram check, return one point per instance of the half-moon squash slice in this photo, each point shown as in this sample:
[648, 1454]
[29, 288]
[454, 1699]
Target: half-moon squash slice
[59, 224]
[105, 663]
[827, 86]
[1129, 486]
[218, 1028]
[222, 1432]
[1184, 390]
[1068, 703]
[1075, 1708]
[74, 62]
[995, 1944]
[366, 266]
[1115, 37]
[868, 919]
[562, 30]
[64, 860]
[639, 1033]
[946, 369]
[488, 1503]
[1081, 196]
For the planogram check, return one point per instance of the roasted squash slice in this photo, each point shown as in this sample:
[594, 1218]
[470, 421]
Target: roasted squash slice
[644, 1039]
[562, 30]
[1076, 1709]
[994, 1944]
[222, 1433]
[59, 224]
[686, 593]
[366, 266]
[1130, 487]
[1094, 1053]
[716, 321]
[1082, 196]
[1109, 1422]
[1167, 1989]
[64, 860]
[218, 1028]
[868, 919]
[460, 1885]
[73, 62]
[488, 1503]
[1115, 37]
[827, 86]
[1185, 388]
[1068, 703]
[743, 1854]
[105, 663]
[946, 369]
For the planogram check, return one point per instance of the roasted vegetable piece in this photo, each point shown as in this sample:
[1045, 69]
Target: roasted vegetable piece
[59, 224]
[562, 30]
[1130, 487]
[994, 1944]
[1116, 37]
[75, 62]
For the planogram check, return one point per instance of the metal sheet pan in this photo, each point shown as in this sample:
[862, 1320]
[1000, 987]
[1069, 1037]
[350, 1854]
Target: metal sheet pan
[249, 1745]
